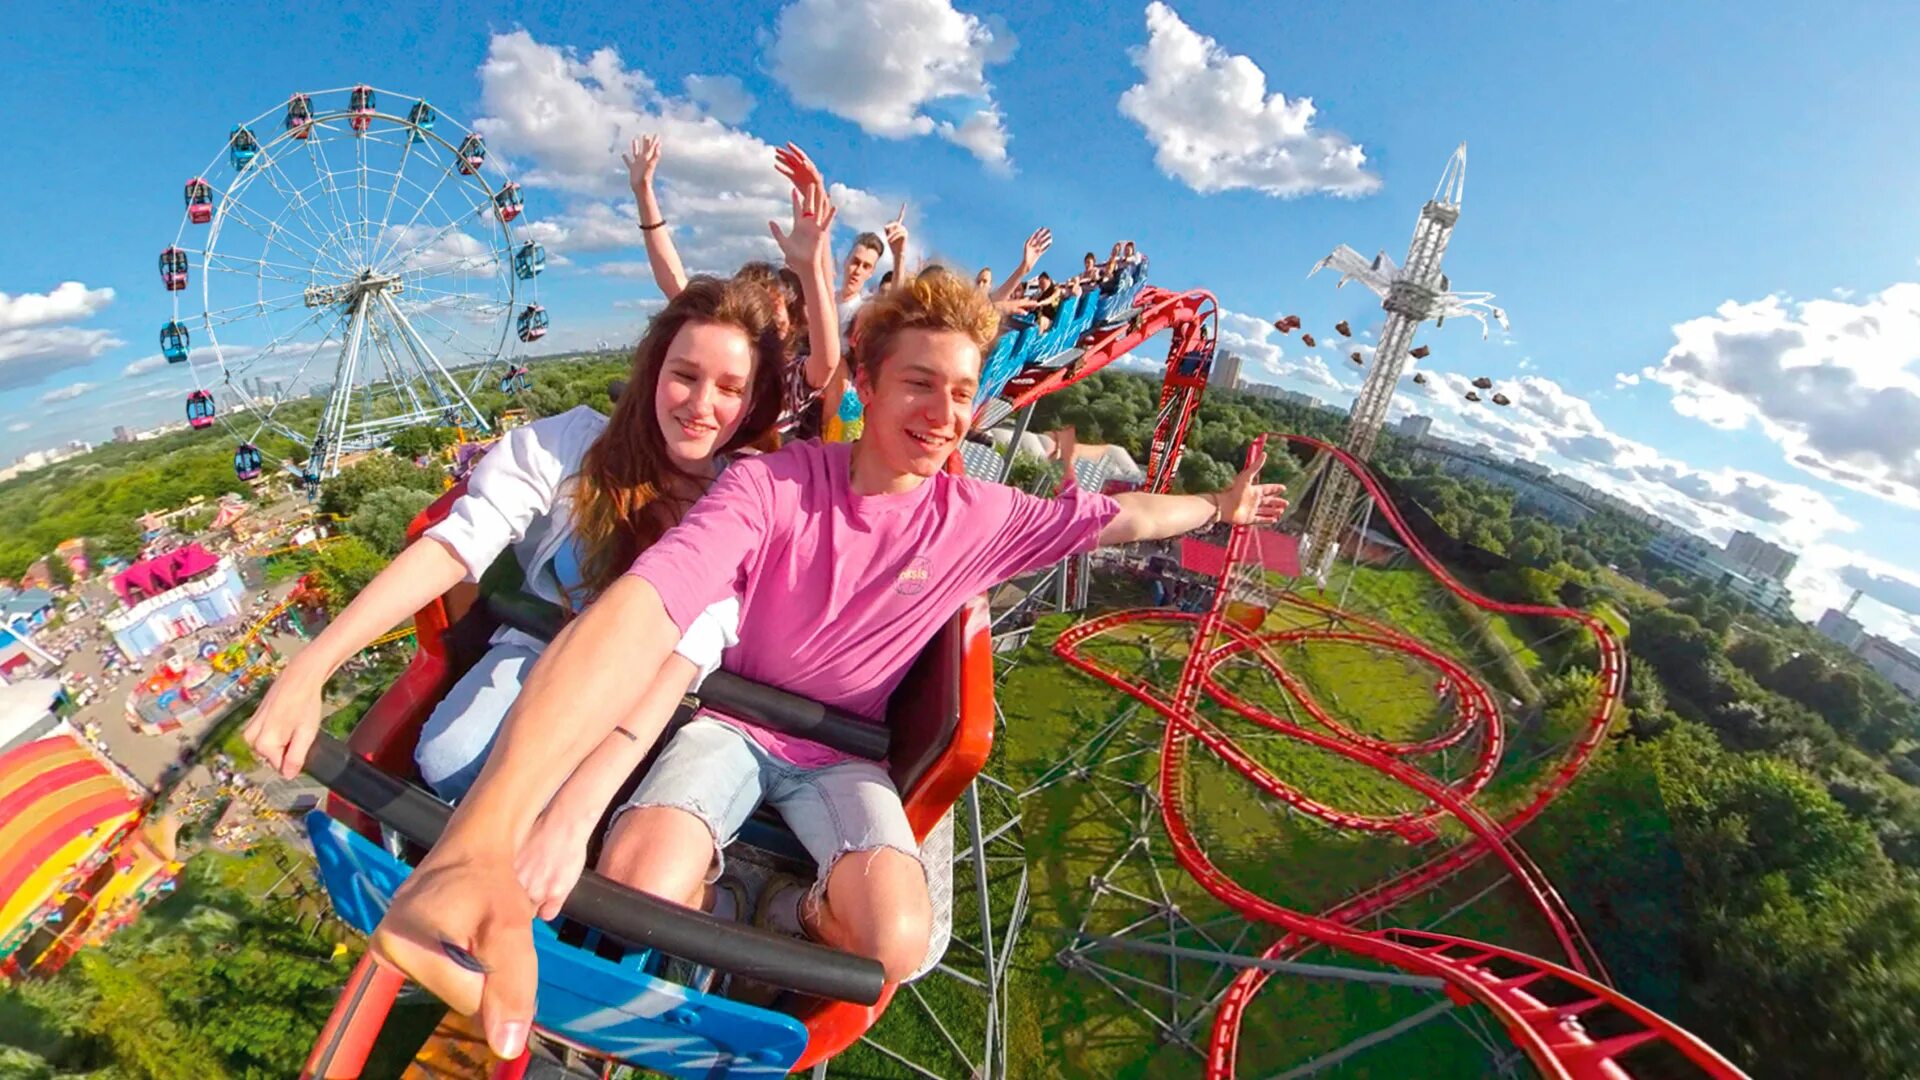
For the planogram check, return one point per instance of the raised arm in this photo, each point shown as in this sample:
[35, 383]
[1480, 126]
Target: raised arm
[642, 158]
[1036, 246]
[896, 237]
[1155, 517]
[806, 247]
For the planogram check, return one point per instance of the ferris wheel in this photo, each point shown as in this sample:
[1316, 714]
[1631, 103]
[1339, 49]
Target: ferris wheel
[347, 267]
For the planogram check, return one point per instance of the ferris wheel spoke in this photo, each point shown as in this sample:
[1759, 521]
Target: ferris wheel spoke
[228, 316]
[296, 197]
[248, 269]
[454, 337]
[233, 208]
[267, 352]
[250, 260]
[419, 208]
[423, 349]
[317, 150]
[299, 375]
[393, 193]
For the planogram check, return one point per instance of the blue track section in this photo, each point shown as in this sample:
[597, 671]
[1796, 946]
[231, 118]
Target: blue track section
[614, 1009]
[1026, 345]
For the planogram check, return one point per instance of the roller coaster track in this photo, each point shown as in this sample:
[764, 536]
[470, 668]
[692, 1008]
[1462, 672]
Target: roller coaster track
[1566, 1019]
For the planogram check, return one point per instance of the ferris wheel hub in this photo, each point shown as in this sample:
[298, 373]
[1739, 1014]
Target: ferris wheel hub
[346, 293]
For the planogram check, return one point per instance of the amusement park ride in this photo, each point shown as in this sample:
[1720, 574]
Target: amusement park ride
[376, 260]
[604, 999]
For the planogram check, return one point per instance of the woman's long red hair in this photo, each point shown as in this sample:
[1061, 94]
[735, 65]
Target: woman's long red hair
[628, 492]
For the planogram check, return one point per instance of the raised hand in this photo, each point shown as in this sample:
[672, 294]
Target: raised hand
[807, 244]
[896, 233]
[1037, 245]
[1248, 502]
[642, 158]
[793, 163]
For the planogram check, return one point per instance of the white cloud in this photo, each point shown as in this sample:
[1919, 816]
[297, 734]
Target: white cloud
[19, 425]
[626, 268]
[1836, 384]
[33, 342]
[571, 117]
[897, 68]
[146, 365]
[68, 302]
[66, 393]
[1257, 341]
[1551, 425]
[1215, 127]
[724, 97]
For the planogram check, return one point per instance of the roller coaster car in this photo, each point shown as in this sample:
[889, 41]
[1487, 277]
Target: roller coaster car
[598, 994]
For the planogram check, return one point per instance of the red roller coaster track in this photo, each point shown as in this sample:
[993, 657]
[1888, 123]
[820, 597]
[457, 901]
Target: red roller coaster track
[1547, 1009]
[1550, 1011]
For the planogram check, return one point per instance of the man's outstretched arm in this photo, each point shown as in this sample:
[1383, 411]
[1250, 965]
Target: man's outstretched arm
[1144, 516]
[464, 892]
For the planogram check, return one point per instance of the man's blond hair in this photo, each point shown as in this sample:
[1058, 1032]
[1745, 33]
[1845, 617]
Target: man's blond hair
[934, 300]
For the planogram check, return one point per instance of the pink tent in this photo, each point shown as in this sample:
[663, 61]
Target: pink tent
[151, 577]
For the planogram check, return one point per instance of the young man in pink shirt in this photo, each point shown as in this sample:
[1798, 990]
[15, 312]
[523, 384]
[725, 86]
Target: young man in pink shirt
[846, 561]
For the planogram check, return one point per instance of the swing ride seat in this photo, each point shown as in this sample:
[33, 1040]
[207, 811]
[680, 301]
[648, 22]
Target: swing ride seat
[599, 988]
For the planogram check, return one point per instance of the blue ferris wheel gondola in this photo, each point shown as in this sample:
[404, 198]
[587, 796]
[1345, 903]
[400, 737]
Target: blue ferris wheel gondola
[242, 147]
[174, 342]
[529, 260]
[421, 116]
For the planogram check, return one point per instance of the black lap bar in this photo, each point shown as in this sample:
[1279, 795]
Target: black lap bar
[600, 902]
[743, 698]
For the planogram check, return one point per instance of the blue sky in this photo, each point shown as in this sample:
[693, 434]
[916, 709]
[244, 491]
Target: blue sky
[1700, 219]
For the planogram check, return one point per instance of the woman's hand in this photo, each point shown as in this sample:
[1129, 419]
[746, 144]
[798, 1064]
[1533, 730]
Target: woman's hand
[642, 158]
[549, 863]
[806, 244]
[281, 730]
[793, 163]
[1037, 245]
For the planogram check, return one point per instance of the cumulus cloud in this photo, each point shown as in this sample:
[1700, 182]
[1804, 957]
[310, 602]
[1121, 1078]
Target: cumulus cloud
[897, 68]
[626, 268]
[569, 118]
[70, 301]
[66, 393]
[19, 426]
[723, 96]
[34, 342]
[1214, 126]
[1835, 383]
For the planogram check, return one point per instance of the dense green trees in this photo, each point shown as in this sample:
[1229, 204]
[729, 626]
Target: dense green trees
[383, 515]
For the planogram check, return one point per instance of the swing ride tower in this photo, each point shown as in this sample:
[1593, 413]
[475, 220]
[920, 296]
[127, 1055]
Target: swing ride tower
[1411, 295]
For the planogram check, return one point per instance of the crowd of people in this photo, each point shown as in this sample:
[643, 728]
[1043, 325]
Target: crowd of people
[769, 494]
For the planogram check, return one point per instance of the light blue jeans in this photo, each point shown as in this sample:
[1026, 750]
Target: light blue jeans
[458, 736]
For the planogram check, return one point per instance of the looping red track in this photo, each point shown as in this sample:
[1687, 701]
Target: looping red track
[1546, 1008]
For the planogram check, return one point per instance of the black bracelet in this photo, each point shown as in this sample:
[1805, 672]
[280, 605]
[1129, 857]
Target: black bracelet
[644, 227]
[631, 737]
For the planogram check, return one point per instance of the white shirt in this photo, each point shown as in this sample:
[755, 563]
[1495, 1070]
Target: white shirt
[519, 495]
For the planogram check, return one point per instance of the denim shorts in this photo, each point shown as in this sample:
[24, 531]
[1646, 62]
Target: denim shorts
[717, 773]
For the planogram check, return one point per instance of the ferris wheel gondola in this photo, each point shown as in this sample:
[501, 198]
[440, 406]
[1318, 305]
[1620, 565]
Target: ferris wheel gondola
[353, 268]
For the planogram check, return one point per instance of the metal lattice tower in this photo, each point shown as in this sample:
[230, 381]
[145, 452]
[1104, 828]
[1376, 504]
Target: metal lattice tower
[1411, 295]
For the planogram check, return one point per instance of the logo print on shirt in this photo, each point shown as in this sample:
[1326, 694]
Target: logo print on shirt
[912, 581]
